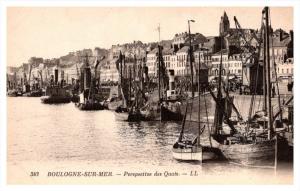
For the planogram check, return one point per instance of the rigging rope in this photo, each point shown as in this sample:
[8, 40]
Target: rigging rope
[274, 65]
[209, 133]
[253, 98]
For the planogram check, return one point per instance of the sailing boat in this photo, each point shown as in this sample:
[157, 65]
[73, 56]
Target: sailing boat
[128, 110]
[164, 108]
[87, 100]
[192, 150]
[244, 146]
[185, 149]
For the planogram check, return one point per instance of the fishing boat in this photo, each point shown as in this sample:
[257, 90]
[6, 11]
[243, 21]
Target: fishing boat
[33, 87]
[162, 104]
[243, 144]
[56, 93]
[121, 114]
[170, 109]
[129, 103]
[14, 93]
[169, 103]
[34, 93]
[186, 149]
[87, 97]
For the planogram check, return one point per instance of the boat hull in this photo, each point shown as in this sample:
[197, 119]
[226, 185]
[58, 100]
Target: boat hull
[113, 105]
[188, 154]
[55, 100]
[75, 98]
[168, 115]
[130, 117]
[90, 106]
[121, 116]
[254, 154]
[14, 94]
[38, 93]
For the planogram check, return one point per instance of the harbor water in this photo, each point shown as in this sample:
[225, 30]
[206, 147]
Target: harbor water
[50, 138]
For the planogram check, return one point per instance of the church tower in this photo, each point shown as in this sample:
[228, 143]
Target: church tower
[224, 24]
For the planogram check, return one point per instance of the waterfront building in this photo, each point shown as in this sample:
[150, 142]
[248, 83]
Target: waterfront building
[167, 55]
[183, 66]
[285, 69]
[232, 64]
[152, 60]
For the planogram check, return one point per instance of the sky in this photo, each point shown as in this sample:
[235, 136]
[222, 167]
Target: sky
[51, 32]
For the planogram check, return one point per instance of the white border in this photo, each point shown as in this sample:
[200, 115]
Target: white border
[134, 3]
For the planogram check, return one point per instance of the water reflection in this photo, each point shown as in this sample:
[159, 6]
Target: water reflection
[62, 133]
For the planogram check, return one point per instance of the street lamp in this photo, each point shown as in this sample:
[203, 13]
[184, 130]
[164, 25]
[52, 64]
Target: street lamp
[190, 54]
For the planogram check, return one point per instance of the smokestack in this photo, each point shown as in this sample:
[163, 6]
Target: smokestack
[87, 78]
[56, 75]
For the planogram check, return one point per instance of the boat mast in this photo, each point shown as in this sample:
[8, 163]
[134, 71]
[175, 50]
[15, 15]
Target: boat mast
[199, 125]
[121, 70]
[159, 52]
[121, 58]
[159, 96]
[264, 73]
[219, 95]
[183, 122]
[130, 78]
[268, 71]
[191, 56]
[219, 105]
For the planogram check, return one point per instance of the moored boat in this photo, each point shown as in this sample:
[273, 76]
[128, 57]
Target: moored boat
[56, 92]
[88, 97]
[245, 146]
[251, 153]
[192, 150]
[121, 116]
[14, 93]
[34, 93]
[90, 106]
[186, 151]
[55, 95]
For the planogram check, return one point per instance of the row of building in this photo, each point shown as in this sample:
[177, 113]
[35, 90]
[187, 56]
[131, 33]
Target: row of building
[207, 51]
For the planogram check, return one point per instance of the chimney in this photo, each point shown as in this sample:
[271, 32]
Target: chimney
[280, 34]
[175, 47]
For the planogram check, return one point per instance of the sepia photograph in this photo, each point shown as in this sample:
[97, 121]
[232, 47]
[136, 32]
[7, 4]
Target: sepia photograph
[198, 95]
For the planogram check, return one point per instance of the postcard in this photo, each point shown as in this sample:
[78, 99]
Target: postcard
[199, 95]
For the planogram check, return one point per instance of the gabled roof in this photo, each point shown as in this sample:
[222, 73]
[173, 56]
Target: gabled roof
[167, 51]
[154, 51]
[183, 49]
[280, 43]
